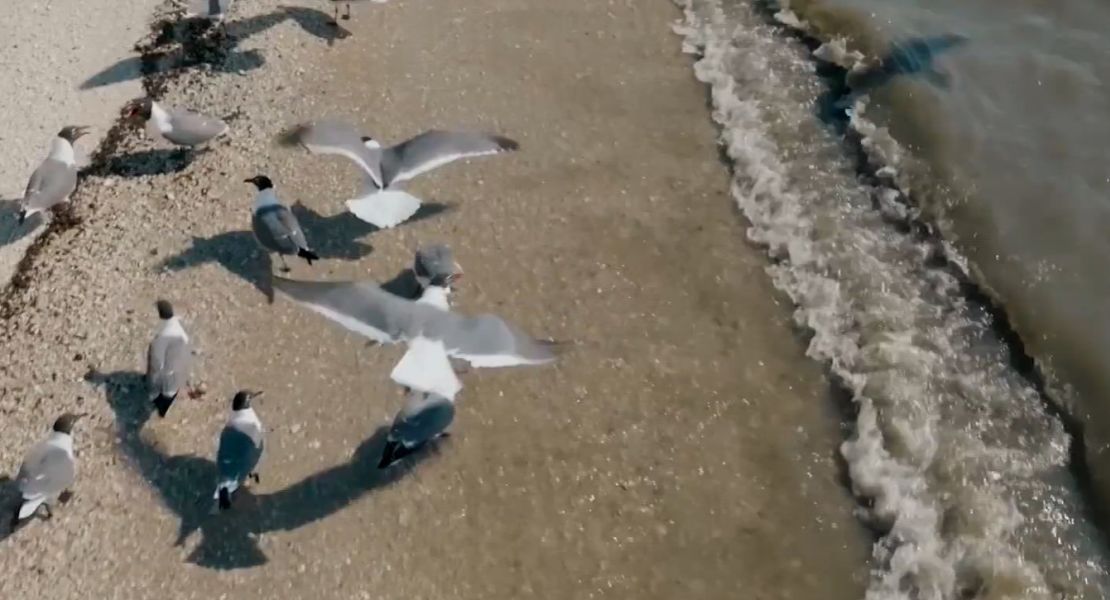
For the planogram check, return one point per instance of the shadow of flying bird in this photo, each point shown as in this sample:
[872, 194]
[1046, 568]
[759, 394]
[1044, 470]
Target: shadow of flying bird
[184, 484]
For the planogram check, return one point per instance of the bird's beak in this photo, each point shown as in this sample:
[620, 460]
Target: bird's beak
[458, 274]
[255, 394]
[81, 130]
[251, 180]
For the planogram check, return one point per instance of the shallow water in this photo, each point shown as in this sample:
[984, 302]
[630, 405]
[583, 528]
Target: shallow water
[958, 457]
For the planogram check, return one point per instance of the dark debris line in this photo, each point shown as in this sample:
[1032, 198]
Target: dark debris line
[171, 47]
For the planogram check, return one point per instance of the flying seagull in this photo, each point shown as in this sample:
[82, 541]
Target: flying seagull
[239, 448]
[433, 335]
[177, 125]
[56, 178]
[275, 226]
[378, 203]
[424, 418]
[48, 470]
[168, 360]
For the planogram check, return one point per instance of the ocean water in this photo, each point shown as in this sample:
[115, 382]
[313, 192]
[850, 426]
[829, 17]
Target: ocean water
[938, 230]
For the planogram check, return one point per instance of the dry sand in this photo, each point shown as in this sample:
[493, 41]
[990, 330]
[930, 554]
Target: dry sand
[64, 62]
[683, 448]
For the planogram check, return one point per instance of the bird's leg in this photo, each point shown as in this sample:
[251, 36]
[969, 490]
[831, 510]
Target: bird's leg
[347, 17]
[335, 17]
[254, 476]
[49, 513]
[284, 267]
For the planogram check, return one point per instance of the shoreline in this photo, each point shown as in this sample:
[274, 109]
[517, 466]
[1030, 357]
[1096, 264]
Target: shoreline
[684, 448]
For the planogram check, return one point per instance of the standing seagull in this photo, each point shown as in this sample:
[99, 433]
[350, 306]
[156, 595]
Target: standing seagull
[48, 470]
[424, 418]
[275, 226]
[434, 335]
[177, 125]
[377, 202]
[168, 360]
[239, 449]
[56, 178]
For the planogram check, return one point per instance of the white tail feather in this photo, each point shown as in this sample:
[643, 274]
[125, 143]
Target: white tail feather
[384, 209]
[426, 368]
[231, 485]
[29, 507]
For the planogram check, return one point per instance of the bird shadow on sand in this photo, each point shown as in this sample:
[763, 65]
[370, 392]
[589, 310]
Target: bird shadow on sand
[10, 229]
[405, 285]
[130, 69]
[335, 234]
[10, 500]
[239, 253]
[331, 237]
[184, 483]
[189, 42]
[142, 163]
[236, 251]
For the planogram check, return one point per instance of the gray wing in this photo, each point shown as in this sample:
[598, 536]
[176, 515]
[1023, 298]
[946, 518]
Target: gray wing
[51, 183]
[239, 451]
[484, 341]
[423, 418]
[488, 341]
[363, 308]
[167, 365]
[336, 137]
[436, 148]
[188, 128]
[46, 471]
[278, 230]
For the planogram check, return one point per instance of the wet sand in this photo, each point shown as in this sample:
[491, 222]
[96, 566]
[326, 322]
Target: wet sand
[684, 447]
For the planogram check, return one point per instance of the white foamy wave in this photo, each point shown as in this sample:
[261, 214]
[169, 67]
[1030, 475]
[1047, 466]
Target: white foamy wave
[961, 468]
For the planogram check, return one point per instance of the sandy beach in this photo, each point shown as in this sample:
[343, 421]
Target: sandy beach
[53, 65]
[683, 448]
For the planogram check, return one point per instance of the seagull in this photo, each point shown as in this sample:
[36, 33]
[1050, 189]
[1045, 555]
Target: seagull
[378, 203]
[56, 178]
[433, 334]
[48, 470]
[239, 448]
[168, 360]
[424, 418]
[275, 226]
[435, 265]
[177, 125]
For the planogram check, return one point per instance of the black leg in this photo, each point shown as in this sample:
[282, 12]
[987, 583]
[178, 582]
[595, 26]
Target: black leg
[347, 17]
[255, 477]
[284, 267]
[334, 22]
[49, 513]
